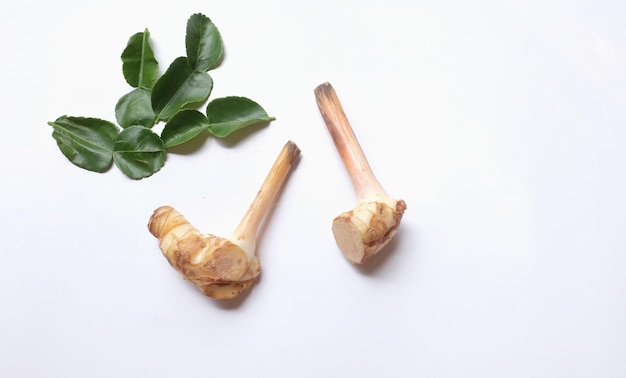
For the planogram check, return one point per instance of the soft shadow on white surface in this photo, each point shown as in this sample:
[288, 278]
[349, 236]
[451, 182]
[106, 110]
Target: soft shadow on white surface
[395, 247]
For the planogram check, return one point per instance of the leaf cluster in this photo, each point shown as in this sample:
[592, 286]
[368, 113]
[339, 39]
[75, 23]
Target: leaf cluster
[173, 98]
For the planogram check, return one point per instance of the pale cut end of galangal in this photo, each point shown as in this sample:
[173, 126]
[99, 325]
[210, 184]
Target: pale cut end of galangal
[230, 290]
[362, 232]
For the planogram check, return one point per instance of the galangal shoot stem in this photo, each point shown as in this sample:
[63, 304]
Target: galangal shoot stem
[362, 232]
[221, 267]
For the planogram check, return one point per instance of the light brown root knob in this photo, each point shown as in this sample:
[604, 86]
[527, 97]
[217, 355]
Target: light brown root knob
[222, 268]
[208, 261]
[362, 232]
[228, 290]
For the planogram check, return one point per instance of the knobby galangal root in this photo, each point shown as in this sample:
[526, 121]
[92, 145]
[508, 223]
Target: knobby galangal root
[362, 232]
[221, 267]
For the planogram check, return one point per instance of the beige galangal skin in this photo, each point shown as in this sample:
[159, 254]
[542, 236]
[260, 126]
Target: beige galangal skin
[221, 267]
[215, 265]
[362, 232]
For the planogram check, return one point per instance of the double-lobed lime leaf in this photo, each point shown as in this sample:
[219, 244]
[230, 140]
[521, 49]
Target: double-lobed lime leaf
[180, 86]
[140, 69]
[139, 152]
[223, 117]
[93, 144]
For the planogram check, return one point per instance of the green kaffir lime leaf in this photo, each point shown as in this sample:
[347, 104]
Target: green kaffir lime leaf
[138, 152]
[135, 108]
[229, 114]
[203, 42]
[86, 142]
[179, 87]
[139, 65]
[183, 126]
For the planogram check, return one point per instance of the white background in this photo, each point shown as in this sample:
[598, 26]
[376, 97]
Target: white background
[501, 124]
